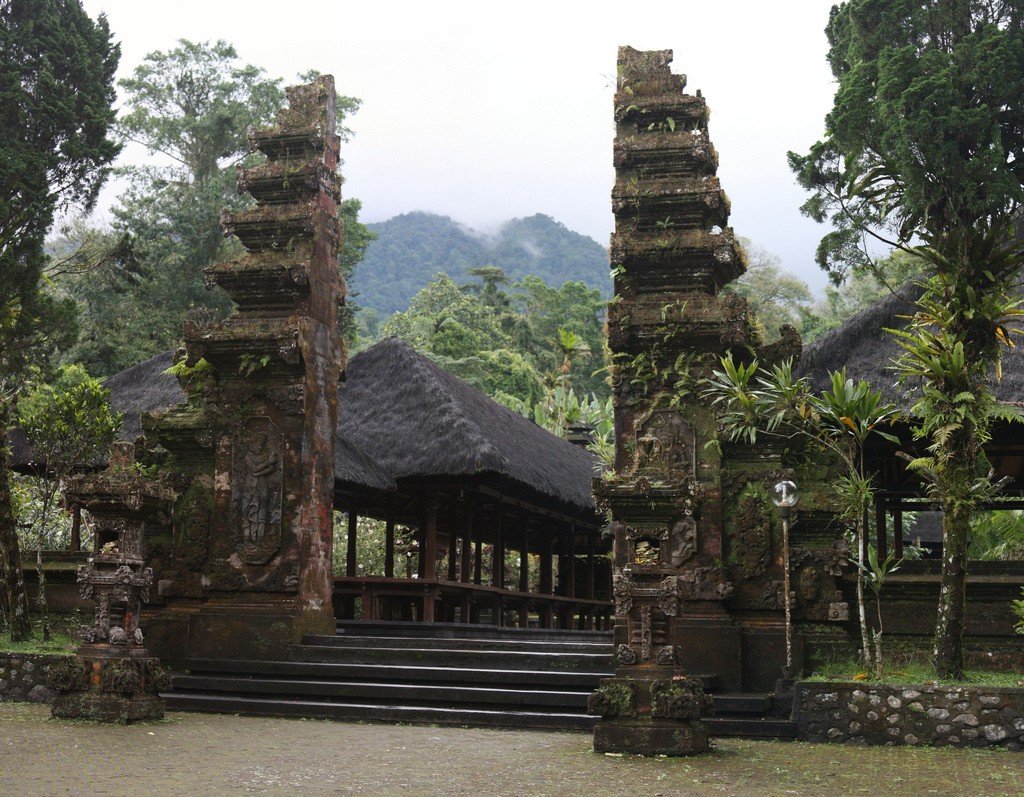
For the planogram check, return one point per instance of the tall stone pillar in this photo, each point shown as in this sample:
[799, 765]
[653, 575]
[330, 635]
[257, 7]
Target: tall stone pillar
[252, 452]
[671, 254]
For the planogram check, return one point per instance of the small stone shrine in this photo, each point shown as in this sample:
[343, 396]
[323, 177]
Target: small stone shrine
[245, 564]
[113, 677]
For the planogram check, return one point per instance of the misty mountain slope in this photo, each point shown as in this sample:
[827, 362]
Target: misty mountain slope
[411, 248]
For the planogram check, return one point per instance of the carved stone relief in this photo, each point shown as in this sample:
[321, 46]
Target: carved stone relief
[664, 445]
[257, 471]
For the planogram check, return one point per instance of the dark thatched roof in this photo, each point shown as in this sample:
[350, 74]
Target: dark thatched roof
[400, 417]
[867, 351]
[143, 388]
[419, 421]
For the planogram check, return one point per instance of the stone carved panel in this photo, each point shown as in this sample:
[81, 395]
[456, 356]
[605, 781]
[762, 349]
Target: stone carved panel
[684, 541]
[257, 473]
[664, 445]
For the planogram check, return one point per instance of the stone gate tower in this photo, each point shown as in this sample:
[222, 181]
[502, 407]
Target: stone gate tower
[245, 569]
[671, 254]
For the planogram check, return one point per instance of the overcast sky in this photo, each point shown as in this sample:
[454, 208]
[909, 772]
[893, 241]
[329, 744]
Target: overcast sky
[485, 112]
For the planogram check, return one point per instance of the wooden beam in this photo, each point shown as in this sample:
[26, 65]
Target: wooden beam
[546, 569]
[590, 567]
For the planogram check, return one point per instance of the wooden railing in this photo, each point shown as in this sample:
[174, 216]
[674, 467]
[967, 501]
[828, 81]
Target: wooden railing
[430, 600]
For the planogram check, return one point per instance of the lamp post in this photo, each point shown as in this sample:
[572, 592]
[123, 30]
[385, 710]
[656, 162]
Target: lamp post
[784, 496]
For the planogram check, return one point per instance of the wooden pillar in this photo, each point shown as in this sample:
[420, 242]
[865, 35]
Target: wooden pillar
[389, 548]
[466, 572]
[881, 543]
[590, 566]
[428, 532]
[350, 556]
[76, 528]
[570, 574]
[546, 574]
[478, 557]
[524, 555]
[453, 549]
[498, 551]
[897, 533]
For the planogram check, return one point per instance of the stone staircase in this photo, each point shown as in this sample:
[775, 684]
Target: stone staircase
[443, 673]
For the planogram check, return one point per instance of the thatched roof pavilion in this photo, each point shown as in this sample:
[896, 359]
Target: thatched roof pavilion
[418, 447]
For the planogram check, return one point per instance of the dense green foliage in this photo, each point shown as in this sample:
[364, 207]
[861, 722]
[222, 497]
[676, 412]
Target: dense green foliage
[411, 248]
[925, 143]
[511, 344]
[68, 422]
[56, 91]
[190, 107]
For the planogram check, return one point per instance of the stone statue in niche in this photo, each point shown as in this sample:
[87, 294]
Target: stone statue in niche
[684, 541]
[664, 445]
[257, 487]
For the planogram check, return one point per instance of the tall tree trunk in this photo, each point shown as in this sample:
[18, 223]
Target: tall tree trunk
[15, 595]
[948, 650]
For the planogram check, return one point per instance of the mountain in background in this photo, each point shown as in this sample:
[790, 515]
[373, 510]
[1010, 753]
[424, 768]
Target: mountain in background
[413, 247]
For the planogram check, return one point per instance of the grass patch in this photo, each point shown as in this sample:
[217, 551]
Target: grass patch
[912, 672]
[60, 641]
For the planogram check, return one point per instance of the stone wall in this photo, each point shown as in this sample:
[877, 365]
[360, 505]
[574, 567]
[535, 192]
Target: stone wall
[23, 677]
[856, 713]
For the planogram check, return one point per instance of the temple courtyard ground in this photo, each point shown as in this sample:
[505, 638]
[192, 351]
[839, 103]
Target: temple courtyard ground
[199, 754]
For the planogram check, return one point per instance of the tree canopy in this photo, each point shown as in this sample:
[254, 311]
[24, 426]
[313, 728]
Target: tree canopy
[924, 145]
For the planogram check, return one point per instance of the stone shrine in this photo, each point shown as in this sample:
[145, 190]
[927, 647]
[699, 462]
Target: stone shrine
[114, 678]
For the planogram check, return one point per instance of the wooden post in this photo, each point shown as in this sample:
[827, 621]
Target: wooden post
[76, 528]
[524, 556]
[478, 558]
[350, 556]
[453, 549]
[466, 572]
[498, 552]
[428, 547]
[389, 547]
[546, 574]
[590, 566]
[882, 544]
[897, 533]
[570, 575]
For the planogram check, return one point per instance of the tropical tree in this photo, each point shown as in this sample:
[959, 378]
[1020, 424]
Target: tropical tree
[924, 151]
[69, 425]
[190, 107]
[57, 69]
[836, 422]
[776, 296]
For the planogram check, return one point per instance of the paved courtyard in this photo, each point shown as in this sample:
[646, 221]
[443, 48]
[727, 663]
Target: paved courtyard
[199, 754]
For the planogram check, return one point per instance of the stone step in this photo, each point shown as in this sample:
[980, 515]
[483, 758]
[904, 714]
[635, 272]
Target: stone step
[467, 643]
[752, 727]
[375, 712]
[389, 693]
[466, 630]
[581, 680]
[756, 703]
[456, 658]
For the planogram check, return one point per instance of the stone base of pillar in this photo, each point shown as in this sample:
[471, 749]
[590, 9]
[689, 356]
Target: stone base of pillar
[651, 737]
[109, 683]
[650, 711]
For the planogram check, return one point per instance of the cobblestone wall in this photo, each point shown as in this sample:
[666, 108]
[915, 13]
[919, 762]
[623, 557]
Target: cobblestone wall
[23, 677]
[854, 713]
